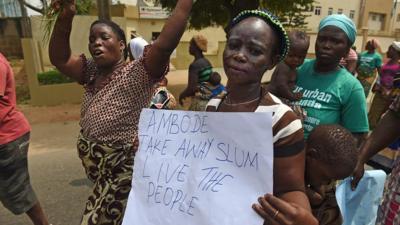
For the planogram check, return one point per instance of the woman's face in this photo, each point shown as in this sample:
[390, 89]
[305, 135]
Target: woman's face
[331, 45]
[105, 46]
[249, 51]
[192, 47]
[392, 53]
[369, 46]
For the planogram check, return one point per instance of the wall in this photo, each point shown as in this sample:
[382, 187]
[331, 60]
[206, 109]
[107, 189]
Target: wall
[377, 6]
[10, 34]
[183, 59]
[346, 5]
[46, 94]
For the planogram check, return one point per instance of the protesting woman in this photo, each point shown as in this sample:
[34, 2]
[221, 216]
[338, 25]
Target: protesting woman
[115, 93]
[256, 43]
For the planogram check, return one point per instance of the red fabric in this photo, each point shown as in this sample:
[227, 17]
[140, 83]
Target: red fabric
[13, 123]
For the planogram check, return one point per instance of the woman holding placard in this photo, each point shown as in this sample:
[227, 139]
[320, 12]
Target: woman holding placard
[256, 43]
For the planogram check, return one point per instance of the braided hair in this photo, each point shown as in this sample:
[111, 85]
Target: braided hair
[270, 19]
[117, 30]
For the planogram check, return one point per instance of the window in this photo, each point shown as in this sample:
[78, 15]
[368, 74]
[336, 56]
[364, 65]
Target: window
[352, 13]
[374, 17]
[330, 11]
[398, 18]
[340, 11]
[317, 10]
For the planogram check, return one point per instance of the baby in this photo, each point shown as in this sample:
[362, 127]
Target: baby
[283, 79]
[331, 154]
[212, 88]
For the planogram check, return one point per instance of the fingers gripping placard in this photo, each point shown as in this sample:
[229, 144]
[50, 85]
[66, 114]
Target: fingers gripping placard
[196, 168]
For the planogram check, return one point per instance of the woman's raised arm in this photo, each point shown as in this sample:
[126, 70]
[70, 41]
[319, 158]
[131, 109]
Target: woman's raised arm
[162, 48]
[59, 48]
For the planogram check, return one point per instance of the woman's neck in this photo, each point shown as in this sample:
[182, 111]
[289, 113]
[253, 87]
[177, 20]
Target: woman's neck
[238, 93]
[320, 68]
[198, 55]
[109, 70]
[394, 60]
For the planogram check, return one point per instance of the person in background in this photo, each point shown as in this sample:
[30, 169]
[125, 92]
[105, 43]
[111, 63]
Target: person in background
[162, 98]
[332, 95]
[208, 90]
[136, 47]
[200, 71]
[16, 192]
[350, 61]
[385, 133]
[370, 63]
[331, 151]
[383, 88]
[116, 91]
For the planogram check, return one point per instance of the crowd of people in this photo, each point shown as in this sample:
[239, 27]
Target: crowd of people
[320, 121]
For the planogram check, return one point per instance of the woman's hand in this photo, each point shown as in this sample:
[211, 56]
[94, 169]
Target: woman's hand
[135, 146]
[68, 7]
[276, 211]
[358, 173]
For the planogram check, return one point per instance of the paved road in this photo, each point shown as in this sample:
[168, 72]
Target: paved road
[56, 174]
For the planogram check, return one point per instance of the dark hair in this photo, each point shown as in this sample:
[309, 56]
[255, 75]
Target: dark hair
[215, 78]
[297, 35]
[283, 46]
[117, 30]
[334, 146]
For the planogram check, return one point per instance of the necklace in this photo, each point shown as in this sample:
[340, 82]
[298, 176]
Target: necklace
[240, 103]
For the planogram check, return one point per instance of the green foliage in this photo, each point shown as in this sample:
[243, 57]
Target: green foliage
[219, 12]
[53, 77]
[290, 12]
[205, 13]
[22, 92]
[83, 7]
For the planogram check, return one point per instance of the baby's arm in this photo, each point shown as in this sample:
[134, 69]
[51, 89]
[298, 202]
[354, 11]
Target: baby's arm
[315, 195]
[281, 82]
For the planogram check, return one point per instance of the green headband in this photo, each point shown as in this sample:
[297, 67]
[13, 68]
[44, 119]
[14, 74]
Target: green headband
[271, 20]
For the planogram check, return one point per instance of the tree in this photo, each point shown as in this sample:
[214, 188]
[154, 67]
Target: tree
[103, 9]
[290, 12]
[219, 12]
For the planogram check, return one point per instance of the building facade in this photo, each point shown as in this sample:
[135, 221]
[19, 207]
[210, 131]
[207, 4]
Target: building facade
[377, 15]
[323, 8]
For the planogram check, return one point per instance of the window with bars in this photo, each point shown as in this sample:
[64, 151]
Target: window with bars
[330, 11]
[352, 14]
[317, 10]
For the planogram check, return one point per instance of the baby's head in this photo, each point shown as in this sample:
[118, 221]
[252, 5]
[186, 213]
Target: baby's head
[331, 154]
[215, 79]
[256, 42]
[299, 43]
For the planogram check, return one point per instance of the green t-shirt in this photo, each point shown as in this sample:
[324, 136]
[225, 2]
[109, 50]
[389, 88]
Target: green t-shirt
[368, 62]
[332, 98]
